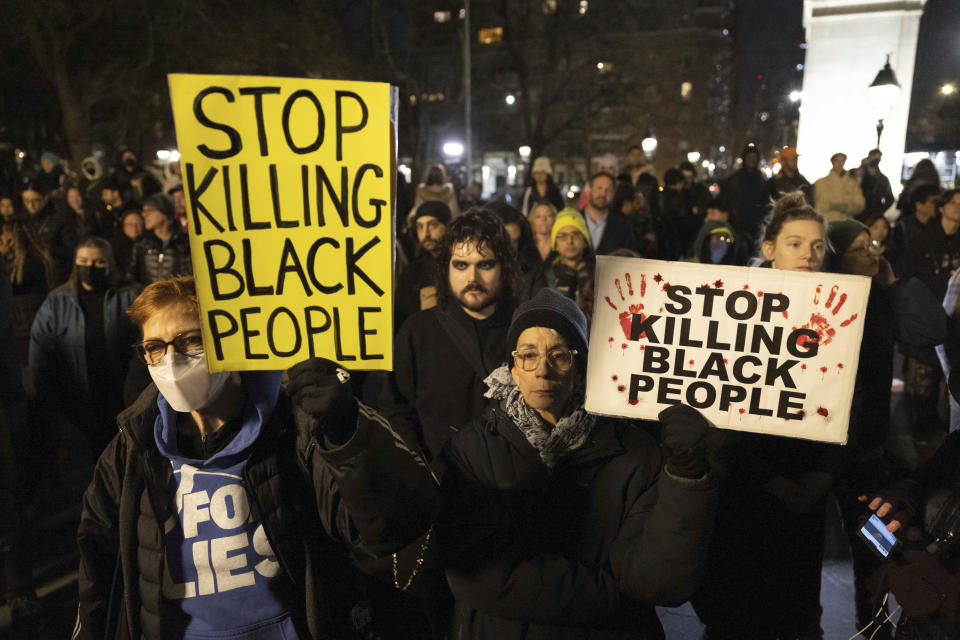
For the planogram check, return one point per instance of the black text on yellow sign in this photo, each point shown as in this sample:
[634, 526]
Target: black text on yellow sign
[289, 189]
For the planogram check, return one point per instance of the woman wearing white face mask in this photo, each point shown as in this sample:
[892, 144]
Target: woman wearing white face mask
[217, 509]
[79, 345]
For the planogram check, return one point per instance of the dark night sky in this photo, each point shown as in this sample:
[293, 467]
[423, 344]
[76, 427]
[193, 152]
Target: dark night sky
[770, 33]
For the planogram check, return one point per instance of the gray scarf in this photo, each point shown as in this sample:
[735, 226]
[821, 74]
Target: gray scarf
[570, 432]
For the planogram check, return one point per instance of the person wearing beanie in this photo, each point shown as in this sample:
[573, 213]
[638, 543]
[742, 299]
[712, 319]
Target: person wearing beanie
[789, 177]
[51, 173]
[541, 188]
[747, 189]
[417, 283]
[570, 267]
[902, 312]
[163, 250]
[555, 522]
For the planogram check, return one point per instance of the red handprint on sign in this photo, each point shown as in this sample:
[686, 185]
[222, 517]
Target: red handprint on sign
[626, 317]
[821, 322]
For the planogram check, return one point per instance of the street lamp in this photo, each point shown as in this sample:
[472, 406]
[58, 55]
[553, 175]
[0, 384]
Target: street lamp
[510, 99]
[524, 152]
[884, 92]
[948, 89]
[649, 144]
[795, 96]
[453, 149]
[693, 157]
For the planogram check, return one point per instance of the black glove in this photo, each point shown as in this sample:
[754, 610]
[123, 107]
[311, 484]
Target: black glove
[323, 399]
[683, 437]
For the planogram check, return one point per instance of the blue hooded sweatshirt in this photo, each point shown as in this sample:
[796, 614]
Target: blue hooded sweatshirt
[220, 567]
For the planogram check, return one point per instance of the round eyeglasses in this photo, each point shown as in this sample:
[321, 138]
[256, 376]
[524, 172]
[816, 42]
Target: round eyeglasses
[559, 360]
[188, 343]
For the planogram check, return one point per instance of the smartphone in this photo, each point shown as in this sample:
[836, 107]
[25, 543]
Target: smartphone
[874, 532]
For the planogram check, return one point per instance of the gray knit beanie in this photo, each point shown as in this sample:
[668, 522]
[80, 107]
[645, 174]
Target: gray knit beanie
[550, 308]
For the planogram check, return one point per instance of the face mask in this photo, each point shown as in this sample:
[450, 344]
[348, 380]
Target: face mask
[717, 254]
[93, 276]
[185, 382]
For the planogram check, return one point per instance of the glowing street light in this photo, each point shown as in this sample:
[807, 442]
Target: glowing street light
[453, 149]
[948, 89]
[693, 157]
[524, 152]
[510, 99]
[795, 96]
[649, 144]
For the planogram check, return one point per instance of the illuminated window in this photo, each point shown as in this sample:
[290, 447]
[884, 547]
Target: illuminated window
[686, 90]
[441, 16]
[490, 35]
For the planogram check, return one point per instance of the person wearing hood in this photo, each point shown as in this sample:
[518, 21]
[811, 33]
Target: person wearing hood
[898, 311]
[134, 181]
[51, 173]
[716, 243]
[164, 249]
[555, 522]
[79, 345]
[228, 503]
[91, 175]
[436, 187]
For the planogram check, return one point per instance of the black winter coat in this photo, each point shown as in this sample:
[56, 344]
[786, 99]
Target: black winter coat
[584, 550]
[437, 382]
[371, 495]
[617, 234]
[151, 261]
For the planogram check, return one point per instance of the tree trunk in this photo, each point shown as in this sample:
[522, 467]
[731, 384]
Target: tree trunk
[74, 115]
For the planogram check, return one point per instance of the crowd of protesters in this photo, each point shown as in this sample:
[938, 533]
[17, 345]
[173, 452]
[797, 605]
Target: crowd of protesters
[468, 493]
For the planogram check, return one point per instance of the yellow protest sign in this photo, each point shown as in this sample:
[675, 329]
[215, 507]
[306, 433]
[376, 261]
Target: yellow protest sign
[289, 185]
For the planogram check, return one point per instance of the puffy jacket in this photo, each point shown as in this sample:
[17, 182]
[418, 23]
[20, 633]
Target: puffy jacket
[838, 197]
[584, 550]
[151, 261]
[370, 495]
[58, 346]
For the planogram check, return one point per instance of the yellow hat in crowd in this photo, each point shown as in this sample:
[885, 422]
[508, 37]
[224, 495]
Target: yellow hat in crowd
[569, 217]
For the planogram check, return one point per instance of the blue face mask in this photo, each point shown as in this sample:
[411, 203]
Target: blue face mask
[717, 254]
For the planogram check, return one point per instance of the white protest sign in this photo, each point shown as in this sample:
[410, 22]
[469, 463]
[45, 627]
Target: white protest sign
[753, 349]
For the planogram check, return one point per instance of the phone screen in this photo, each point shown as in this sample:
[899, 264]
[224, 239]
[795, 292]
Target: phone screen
[875, 531]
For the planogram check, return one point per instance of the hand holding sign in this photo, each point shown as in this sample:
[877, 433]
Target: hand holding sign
[323, 399]
[684, 434]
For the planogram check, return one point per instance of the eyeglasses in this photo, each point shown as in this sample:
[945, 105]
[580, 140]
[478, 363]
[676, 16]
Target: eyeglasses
[189, 343]
[558, 360]
[873, 247]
